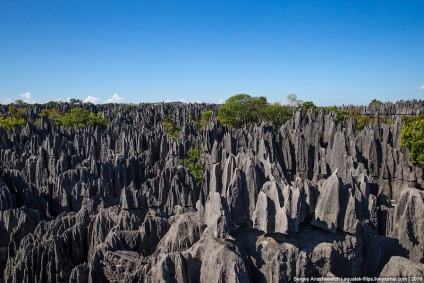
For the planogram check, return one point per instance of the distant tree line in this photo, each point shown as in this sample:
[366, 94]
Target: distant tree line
[238, 111]
[78, 117]
[17, 118]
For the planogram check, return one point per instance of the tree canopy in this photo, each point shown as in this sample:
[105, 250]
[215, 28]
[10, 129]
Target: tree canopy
[17, 118]
[194, 165]
[277, 114]
[79, 117]
[293, 100]
[242, 110]
[375, 102]
[413, 138]
[170, 127]
[74, 101]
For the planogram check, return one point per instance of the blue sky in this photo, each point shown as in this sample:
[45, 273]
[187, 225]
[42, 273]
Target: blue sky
[328, 51]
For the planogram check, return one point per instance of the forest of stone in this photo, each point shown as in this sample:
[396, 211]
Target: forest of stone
[155, 193]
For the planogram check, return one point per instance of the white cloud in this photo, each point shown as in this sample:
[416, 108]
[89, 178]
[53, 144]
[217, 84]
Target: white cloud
[92, 99]
[8, 101]
[221, 100]
[182, 100]
[421, 87]
[27, 96]
[115, 99]
[167, 100]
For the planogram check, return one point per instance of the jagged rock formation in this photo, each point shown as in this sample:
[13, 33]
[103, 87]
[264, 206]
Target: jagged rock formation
[402, 267]
[316, 197]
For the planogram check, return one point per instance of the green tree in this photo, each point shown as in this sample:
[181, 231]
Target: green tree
[363, 121]
[306, 105]
[17, 119]
[170, 127]
[277, 114]
[194, 165]
[294, 101]
[52, 104]
[234, 111]
[375, 102]
[74, 101]
[79, 117]
[340, 113]
[10, 123]
[204, 119]
[241, 110]
[17, 112]
[52, 113]
[413, 138]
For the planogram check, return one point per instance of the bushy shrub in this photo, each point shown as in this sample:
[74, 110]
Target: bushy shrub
[195, 167]
[206, 116]
[17, 119]
[169, 126]
[277, 114]
[363, 121]
[243, 110]
[375, 102]
[308, 105]
[413, 138]
[52, 114]
[17, 112]
[10, 123]
[79, 117]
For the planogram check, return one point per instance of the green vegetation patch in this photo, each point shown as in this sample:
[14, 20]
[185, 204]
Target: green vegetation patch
[363, 121]
[204, 119]
[170, 127]
[79, 117]
[375, 102]
[413, 138]
[195, 167]
[277, 114]
[10, 123]
[17, 119]
[243, 110]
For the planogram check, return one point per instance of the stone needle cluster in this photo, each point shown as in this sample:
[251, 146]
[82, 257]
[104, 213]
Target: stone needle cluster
[313, 198]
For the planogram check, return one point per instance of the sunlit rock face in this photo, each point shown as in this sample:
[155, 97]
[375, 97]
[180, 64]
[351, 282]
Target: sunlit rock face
[316, 197]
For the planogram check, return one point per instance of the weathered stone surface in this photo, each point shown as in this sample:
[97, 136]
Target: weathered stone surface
[402, 267]
[270, 214]
[184, 232]
[217, 216]
[216, 260]
[327, 210]
[171, 267]
[409, 223]
[6, 200]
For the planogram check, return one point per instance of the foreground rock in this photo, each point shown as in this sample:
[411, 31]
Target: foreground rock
[402, 267]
